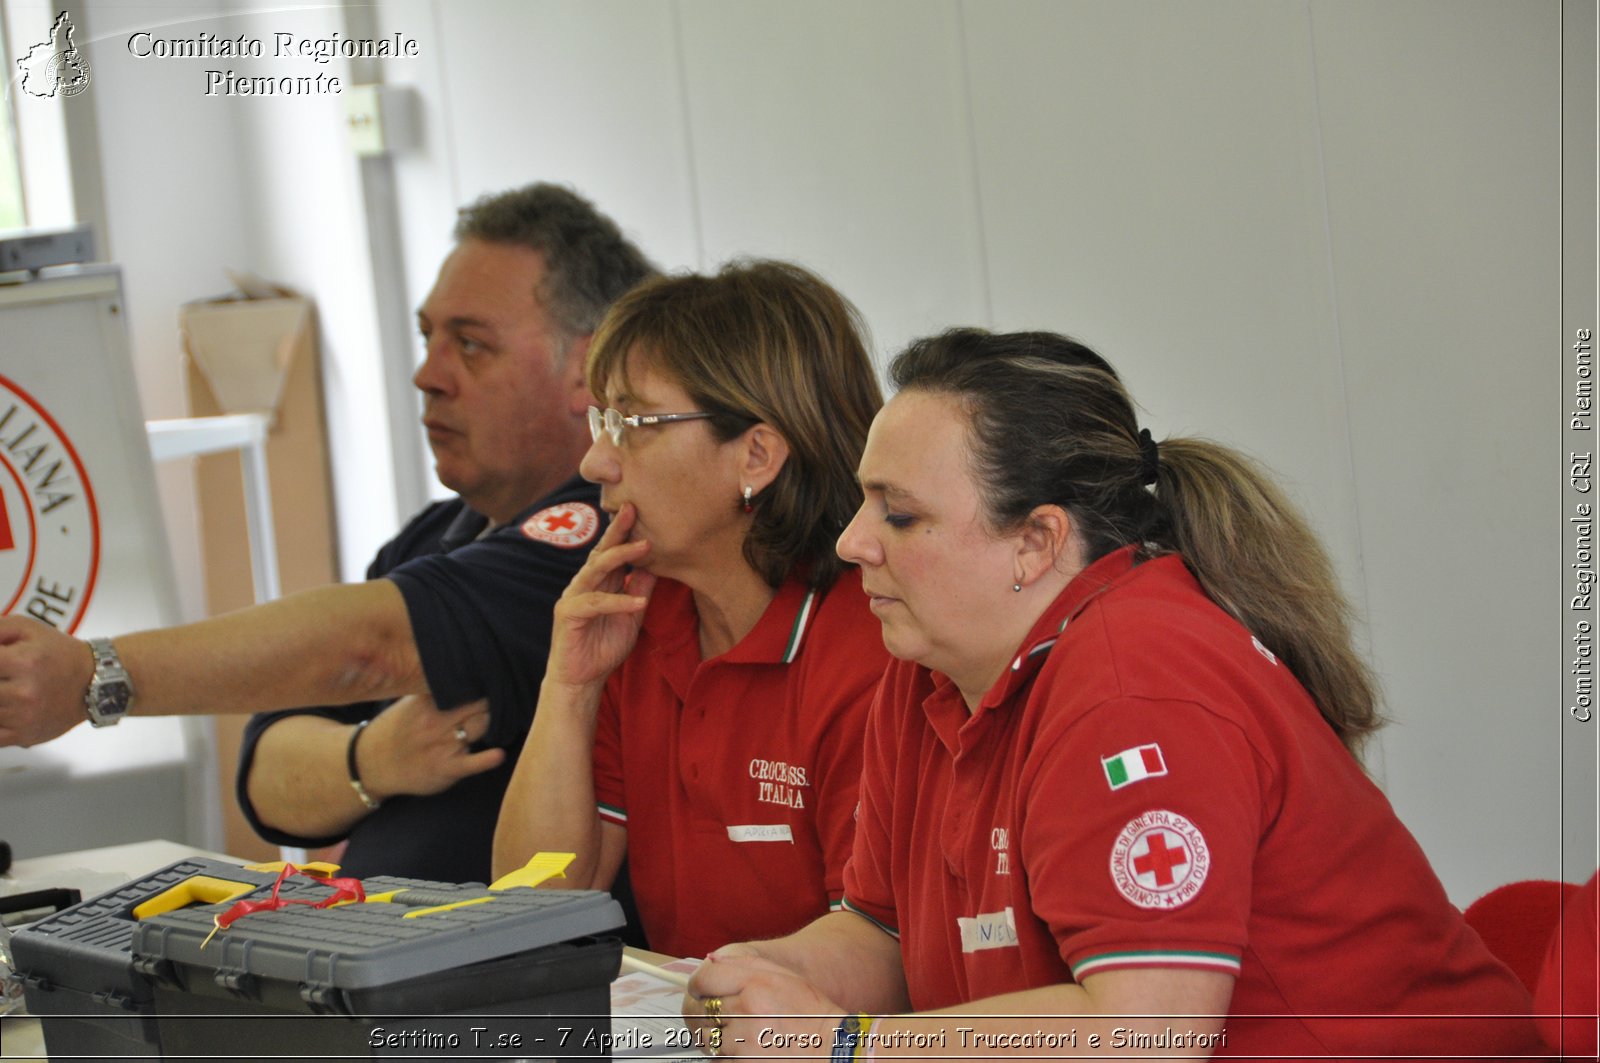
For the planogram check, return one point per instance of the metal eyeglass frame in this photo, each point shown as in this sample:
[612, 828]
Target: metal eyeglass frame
[612, 422]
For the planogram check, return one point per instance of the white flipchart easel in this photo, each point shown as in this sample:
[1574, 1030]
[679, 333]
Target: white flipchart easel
[83, 547]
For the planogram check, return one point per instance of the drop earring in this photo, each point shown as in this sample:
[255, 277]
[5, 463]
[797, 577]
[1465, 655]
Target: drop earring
[747, 505]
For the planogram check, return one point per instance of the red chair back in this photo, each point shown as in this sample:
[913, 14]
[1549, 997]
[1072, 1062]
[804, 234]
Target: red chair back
[1517, 921]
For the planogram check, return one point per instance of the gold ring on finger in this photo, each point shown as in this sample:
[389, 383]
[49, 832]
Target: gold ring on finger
[713, 1008]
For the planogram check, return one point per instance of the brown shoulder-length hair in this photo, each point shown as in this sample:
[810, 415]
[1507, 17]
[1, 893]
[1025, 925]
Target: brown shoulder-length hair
[762, 341]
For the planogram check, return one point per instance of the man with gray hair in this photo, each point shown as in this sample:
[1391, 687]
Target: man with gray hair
[429, 671]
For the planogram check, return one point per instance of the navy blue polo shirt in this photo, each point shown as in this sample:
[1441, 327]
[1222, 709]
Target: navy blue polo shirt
[480, 611]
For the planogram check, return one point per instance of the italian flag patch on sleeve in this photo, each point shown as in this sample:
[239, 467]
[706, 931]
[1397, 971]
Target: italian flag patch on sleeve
[1131, 765]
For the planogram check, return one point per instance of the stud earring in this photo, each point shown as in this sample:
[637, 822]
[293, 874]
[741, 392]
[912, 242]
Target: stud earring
[1017, 587]
[748, 491]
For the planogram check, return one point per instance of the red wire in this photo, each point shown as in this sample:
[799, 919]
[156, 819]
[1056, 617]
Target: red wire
[344, 889]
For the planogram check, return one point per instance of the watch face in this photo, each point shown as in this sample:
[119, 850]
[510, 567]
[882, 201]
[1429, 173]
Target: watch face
[110, 690]
[110, 700]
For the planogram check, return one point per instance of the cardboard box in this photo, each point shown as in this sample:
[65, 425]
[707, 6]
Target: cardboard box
[257, 352]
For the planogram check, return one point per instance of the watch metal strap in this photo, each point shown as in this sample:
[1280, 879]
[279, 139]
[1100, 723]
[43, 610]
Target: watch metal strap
[106, 664]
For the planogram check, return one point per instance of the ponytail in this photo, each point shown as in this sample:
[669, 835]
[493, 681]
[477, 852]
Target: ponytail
[1259, 560]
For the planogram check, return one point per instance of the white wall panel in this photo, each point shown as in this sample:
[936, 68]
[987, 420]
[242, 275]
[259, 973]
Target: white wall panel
[834, 134]
[307, 224]
[586, 94]
[1442, 126]
[423, 173]
[1150, 185]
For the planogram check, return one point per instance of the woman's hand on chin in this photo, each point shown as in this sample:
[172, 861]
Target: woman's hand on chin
[597, 620]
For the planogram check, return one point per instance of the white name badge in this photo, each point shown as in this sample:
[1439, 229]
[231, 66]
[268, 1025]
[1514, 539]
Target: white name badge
[990, 930]
[761, 832]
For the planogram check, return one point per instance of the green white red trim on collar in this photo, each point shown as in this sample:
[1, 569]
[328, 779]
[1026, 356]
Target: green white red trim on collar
[802, 620]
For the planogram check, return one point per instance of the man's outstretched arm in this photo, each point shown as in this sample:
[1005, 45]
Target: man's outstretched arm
[329, 646]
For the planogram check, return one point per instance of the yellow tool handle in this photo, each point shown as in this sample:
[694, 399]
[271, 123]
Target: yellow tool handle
[316, 869]
[200, 889]
[543, 866]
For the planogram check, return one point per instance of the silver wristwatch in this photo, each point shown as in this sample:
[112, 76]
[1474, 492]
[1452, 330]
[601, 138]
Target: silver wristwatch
[111, 690]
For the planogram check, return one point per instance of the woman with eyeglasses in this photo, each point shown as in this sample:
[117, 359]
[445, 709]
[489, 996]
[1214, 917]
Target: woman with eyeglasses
[1111, 802]
[711, 665]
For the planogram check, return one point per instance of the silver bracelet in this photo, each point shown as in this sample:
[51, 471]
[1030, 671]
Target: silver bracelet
[367, 799]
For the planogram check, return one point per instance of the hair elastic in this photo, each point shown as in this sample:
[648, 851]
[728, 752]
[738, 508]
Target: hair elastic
[1150, 457]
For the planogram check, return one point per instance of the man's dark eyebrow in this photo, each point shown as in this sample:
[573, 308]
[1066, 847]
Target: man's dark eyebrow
[454, 322]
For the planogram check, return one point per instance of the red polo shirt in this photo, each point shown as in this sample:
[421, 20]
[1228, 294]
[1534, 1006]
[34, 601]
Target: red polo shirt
[1147, 786]
[736, 777]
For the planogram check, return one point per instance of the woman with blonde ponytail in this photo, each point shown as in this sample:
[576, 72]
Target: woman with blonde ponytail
[1111, 783]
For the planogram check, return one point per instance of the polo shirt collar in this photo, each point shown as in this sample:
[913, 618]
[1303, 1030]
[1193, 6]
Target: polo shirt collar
[1085, 587]
[947, 711]
[781, 631]
[1031, 655]
[466, 526]
[777, 637]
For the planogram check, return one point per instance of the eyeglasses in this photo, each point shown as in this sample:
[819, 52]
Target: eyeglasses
[612, 422]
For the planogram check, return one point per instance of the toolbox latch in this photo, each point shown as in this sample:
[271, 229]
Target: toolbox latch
[112, 999]
[323, 999]
[157, 970]
[239, 983]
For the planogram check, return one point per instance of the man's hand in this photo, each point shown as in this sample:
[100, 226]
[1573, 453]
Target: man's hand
[413, 748]
[44, 675]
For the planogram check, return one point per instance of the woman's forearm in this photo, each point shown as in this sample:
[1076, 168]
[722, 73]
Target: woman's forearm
[549, 805]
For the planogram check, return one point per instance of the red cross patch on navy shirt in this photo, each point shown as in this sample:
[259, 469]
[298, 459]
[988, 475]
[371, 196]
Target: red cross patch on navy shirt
[568, 525]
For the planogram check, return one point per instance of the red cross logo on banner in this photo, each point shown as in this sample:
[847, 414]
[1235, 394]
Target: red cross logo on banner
[1160, 860]
[568, 525]
[49, 520]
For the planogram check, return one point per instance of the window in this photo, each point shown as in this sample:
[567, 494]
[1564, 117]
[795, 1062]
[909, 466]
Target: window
[37, 181]
[12, 214]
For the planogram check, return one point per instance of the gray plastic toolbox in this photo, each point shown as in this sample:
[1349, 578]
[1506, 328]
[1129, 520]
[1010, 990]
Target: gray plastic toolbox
[77, 966]
[514, 974]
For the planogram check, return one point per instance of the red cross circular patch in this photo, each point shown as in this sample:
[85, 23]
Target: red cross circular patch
[1160, 860]
[569, 525]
